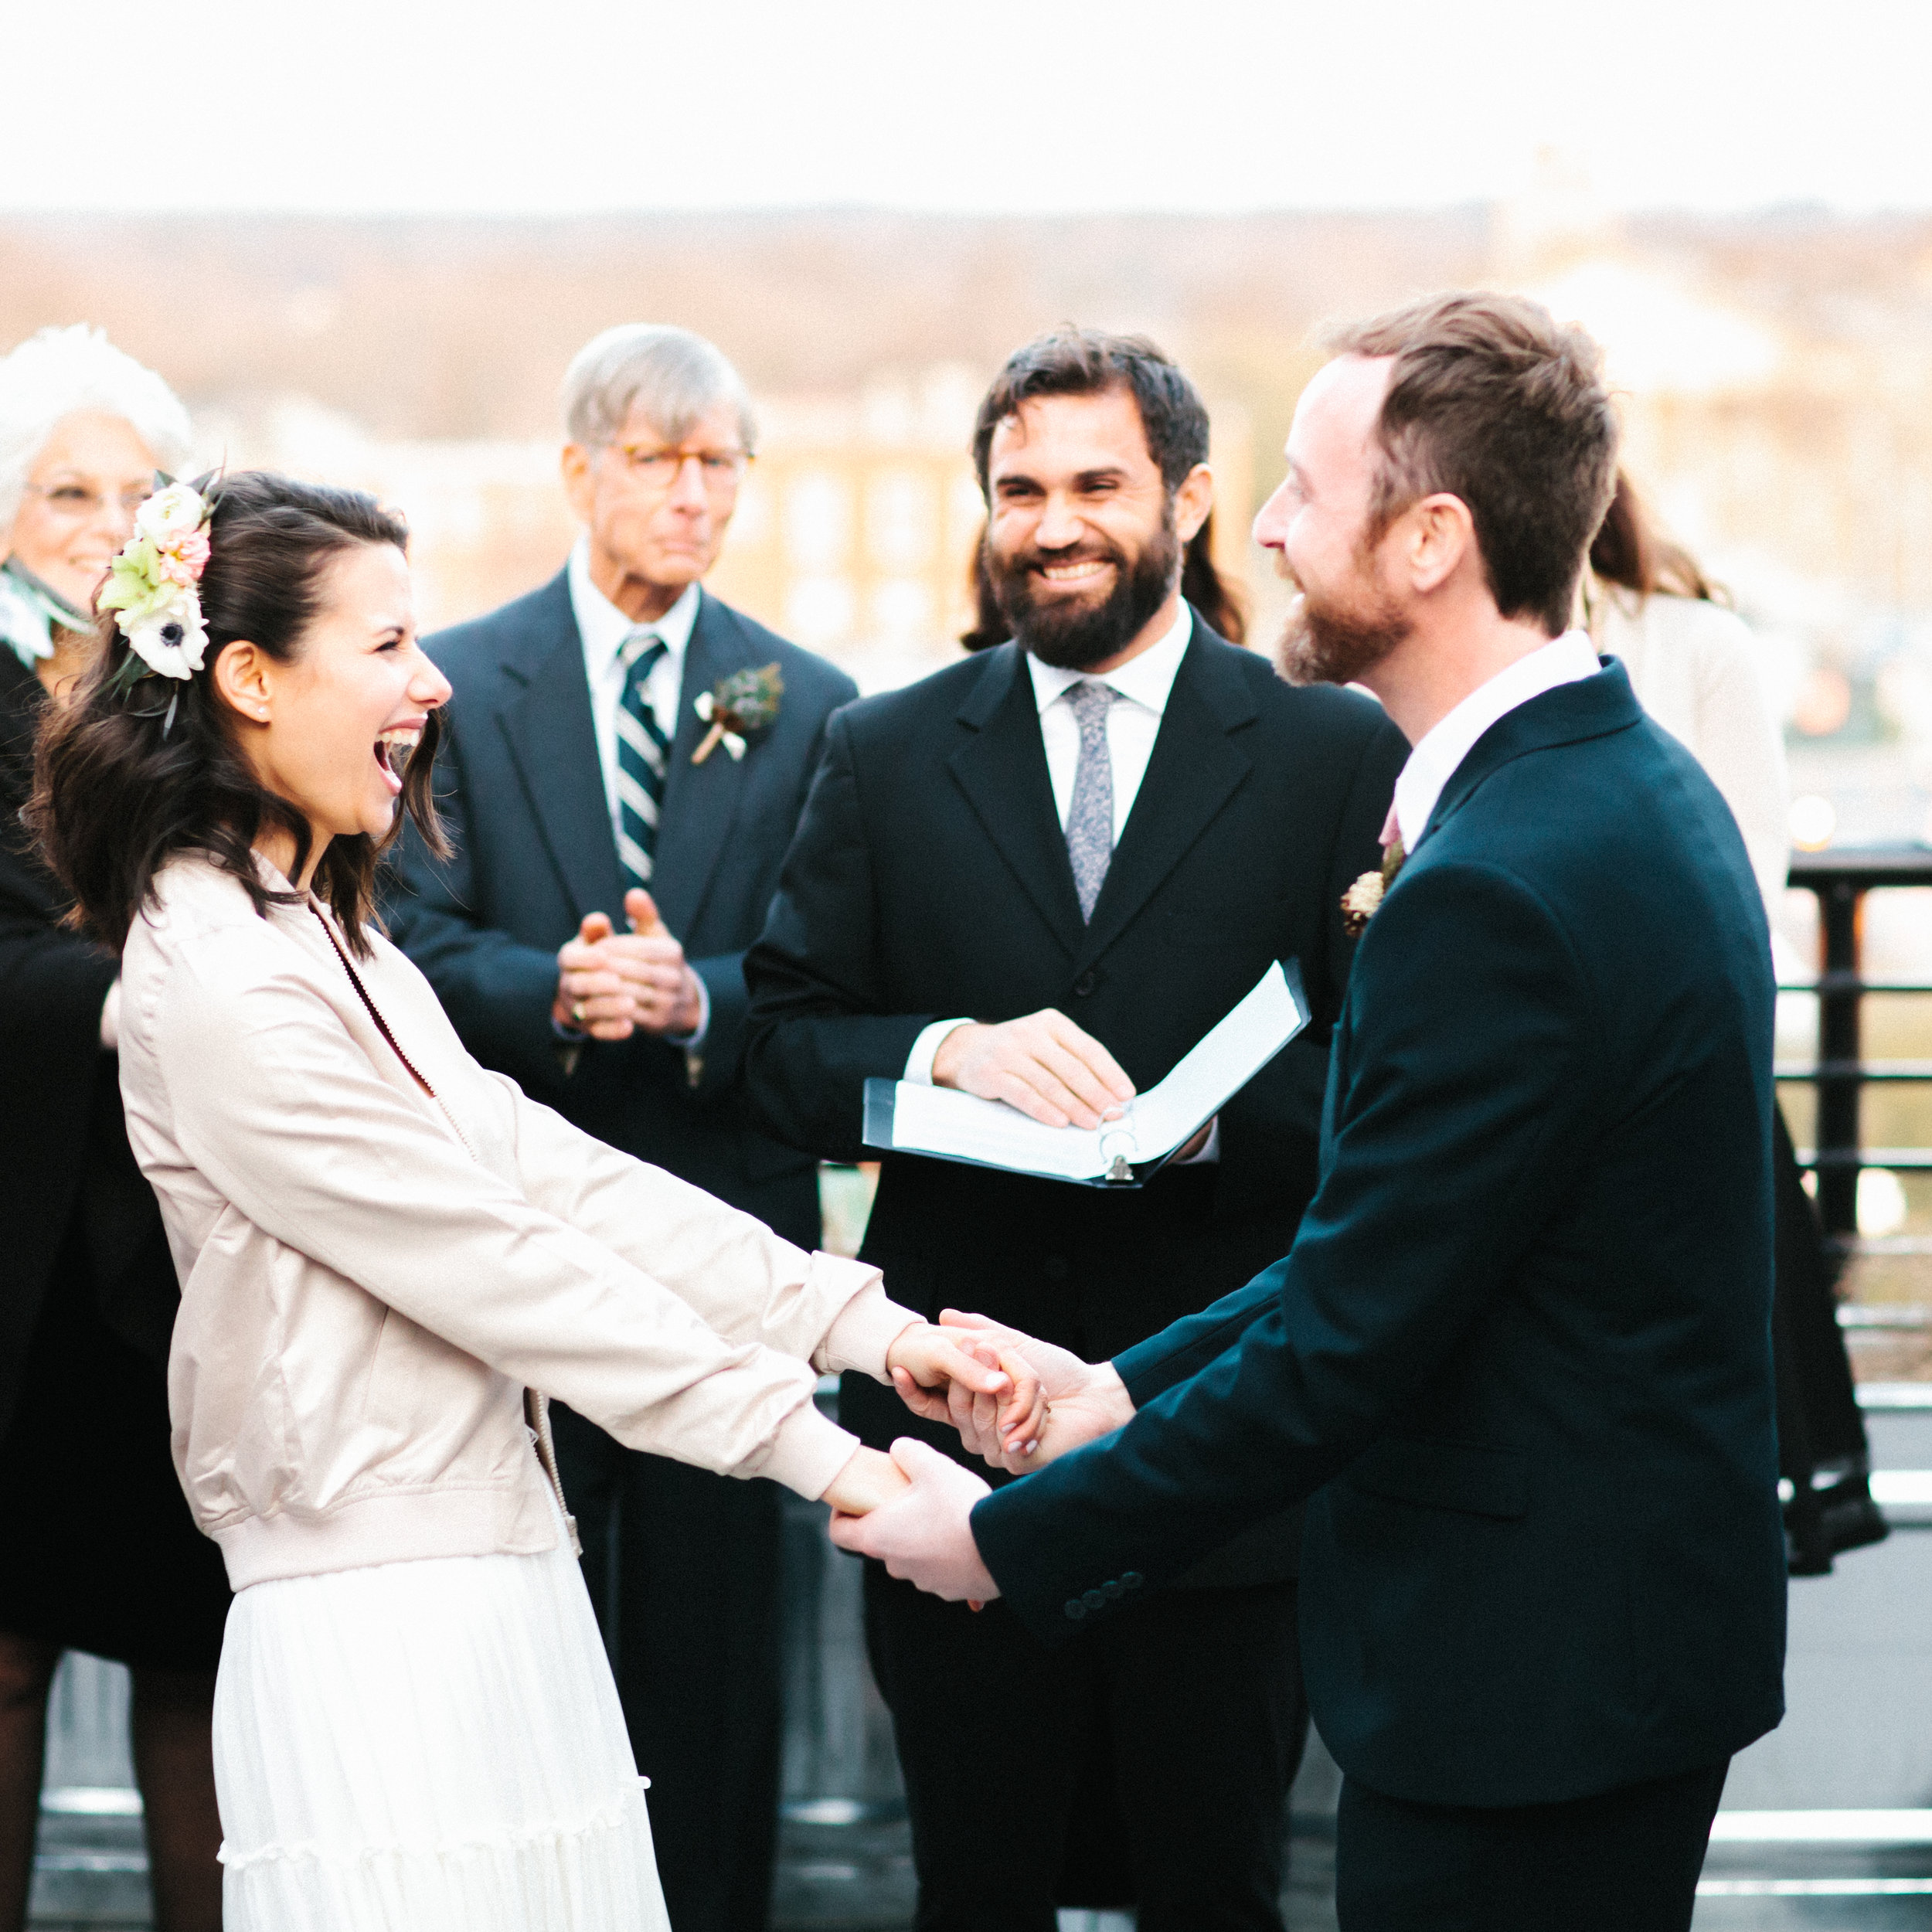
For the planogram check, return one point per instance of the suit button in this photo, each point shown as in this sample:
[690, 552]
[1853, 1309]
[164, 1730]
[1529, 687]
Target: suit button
[1055, 1267]
[1111, 1589]
[1131, 1580]
[1094, 1600]
[1076, 1609]
[1085, 984]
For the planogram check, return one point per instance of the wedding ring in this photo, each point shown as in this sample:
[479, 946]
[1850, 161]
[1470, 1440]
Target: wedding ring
[576, 1012]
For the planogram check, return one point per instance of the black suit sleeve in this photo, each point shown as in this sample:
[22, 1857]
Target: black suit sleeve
[1462, 1117]
[497, 992]
[818, 1028]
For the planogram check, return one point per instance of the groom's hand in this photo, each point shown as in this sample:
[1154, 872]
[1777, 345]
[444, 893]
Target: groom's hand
[925, 1534]
[1084, 1400]
[930, 1366]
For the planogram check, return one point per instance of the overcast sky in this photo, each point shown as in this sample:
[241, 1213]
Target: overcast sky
[563, 105]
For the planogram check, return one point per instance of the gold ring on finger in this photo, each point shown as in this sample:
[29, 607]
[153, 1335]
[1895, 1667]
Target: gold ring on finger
[576, 1012]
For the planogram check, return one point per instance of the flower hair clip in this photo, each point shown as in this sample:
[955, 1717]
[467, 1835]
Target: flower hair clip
[153, 585]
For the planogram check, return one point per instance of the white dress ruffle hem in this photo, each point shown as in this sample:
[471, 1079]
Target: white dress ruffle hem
[428, 1747]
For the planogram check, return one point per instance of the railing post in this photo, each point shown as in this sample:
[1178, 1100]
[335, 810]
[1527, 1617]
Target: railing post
[1841, 907]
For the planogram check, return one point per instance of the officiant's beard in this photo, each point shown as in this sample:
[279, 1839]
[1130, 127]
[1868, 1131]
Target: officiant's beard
[1069, 632]
[1326, 641]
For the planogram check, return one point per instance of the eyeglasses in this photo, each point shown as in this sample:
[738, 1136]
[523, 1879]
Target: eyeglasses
[76, 501]
[657, 469]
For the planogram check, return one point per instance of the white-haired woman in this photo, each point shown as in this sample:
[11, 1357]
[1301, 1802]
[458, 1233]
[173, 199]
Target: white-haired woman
[101, 1554]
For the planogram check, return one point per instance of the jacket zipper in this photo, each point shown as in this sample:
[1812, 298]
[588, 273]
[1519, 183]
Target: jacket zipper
[537, 1405]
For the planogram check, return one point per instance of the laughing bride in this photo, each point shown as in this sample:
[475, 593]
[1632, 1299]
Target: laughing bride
[387, 1253]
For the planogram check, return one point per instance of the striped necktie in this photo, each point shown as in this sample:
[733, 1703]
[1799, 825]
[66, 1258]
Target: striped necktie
[643, 751]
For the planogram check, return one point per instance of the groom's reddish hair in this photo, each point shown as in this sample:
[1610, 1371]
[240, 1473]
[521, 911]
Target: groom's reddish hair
[1492, 400]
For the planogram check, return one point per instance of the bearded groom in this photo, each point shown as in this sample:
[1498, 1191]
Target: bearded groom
[1519, 1353]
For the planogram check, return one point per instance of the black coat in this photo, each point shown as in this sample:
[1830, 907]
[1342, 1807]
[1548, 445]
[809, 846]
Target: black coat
[929, 880]
[1527, 1321]
[522, 796]
[63, 1143]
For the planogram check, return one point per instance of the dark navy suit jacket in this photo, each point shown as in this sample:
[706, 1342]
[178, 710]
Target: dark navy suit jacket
[522, 795]
[1523, 1335]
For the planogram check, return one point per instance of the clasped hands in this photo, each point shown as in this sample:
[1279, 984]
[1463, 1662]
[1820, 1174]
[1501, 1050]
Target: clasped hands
[610, 985]
[920, 1527]
[924, 1532]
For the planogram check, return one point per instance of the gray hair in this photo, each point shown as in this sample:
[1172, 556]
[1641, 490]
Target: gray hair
[59, 373]
[676, 376]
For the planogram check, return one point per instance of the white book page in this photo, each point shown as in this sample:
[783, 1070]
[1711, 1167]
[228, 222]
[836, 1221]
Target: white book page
[1228, 1055]
[938, 1120]
[933, 1119]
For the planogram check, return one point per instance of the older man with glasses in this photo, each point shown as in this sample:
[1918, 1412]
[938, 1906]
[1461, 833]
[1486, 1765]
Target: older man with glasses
[623, 762]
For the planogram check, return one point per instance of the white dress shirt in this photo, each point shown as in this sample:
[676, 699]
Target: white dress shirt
[1451, 739]
[602, 627]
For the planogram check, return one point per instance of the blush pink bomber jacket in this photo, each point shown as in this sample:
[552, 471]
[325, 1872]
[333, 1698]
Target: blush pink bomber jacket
[371, 1278]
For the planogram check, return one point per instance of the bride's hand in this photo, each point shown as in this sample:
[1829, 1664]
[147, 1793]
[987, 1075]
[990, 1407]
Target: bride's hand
[868, 1479]
[939, 1371]
[1084, 1400]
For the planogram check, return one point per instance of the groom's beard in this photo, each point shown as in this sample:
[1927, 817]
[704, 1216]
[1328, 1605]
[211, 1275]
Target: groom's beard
[1073, 634]
[1328, 642]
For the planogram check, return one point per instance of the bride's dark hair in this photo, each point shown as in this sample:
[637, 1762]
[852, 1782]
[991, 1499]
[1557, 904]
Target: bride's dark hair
[124, 779]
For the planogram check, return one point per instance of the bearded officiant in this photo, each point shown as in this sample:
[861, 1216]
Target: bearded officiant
[623, 763]
[1040, 876]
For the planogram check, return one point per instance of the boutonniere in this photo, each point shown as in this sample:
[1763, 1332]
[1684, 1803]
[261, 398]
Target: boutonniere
[1360, 901]
[738, 709]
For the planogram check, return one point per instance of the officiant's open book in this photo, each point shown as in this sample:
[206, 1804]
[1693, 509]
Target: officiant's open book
[952, 1126]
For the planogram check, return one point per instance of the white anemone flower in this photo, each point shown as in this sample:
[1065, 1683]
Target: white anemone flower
[171, 640]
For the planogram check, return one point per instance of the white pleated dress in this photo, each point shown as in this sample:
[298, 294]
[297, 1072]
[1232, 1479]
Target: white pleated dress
[428, 1747]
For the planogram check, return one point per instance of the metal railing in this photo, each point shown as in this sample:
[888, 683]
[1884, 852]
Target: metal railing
[1840, 881]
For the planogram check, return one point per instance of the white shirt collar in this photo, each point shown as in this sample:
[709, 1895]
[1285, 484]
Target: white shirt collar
[1146, 680]
[1443, 747]
[603, 626]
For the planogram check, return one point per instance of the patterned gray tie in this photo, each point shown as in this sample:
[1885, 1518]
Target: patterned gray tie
[1089, 819]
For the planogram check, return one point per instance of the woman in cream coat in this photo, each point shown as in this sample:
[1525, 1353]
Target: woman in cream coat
[390, 1258]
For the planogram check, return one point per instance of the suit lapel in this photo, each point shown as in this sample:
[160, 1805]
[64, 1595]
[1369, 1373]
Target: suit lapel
[1001, 768]
[1195, 769]
[553, 745]
[701, 801]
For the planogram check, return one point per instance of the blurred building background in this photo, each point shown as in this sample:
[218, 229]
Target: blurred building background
[1774, 369]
